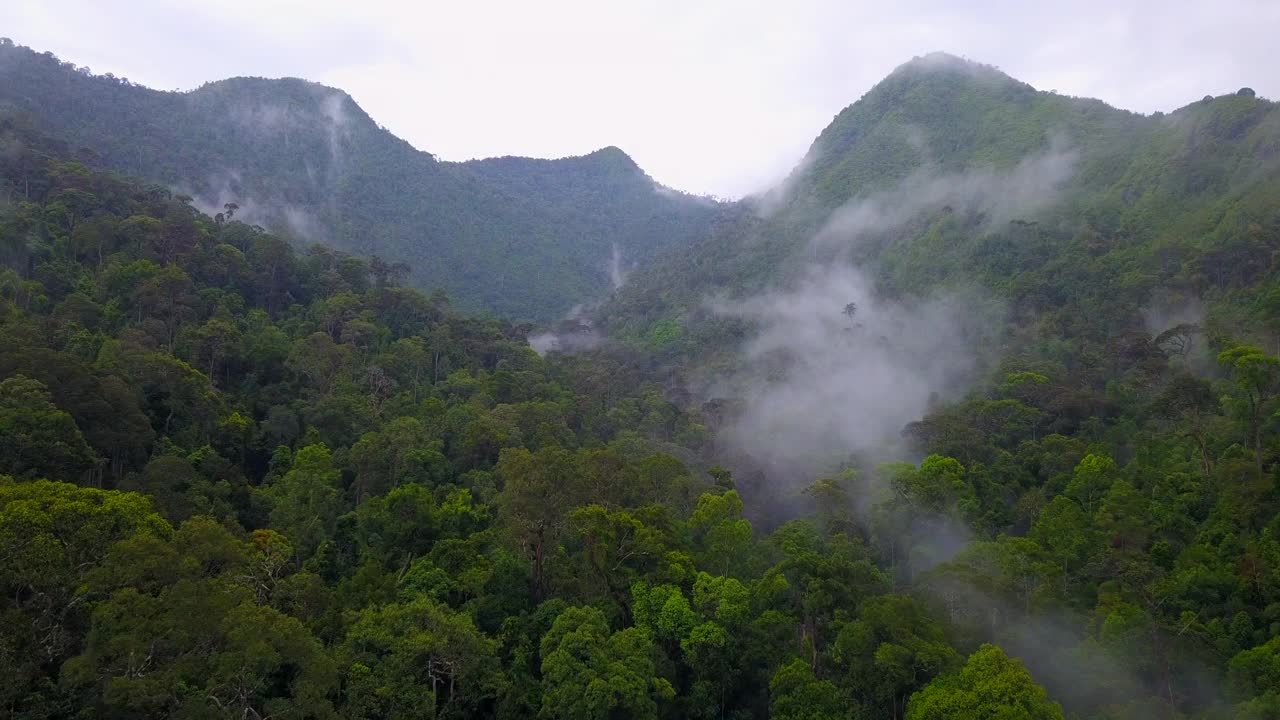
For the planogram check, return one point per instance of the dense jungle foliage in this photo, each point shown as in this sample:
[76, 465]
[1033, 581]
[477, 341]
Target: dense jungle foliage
[244, 479]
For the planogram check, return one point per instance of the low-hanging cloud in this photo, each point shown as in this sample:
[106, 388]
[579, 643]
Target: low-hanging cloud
[301, 223]
[1001, 196]
[573, 333]
[836, 370]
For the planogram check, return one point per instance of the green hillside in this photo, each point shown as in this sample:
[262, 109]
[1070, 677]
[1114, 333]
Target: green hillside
[1056, 204]
[524, 238]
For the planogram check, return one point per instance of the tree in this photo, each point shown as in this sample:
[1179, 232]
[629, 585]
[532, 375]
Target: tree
[663, 611]
[591, 674]
[201, 646]
[1254, 375]
[1253, 679]
[816, 579]
[538, 489]
[167, 295]
[990, 685]
[305, 502]
[1063, 529]
[400, 526]
[38, 439]
[418, 659]
[179, 490]
[939, 485]
[795, 694]
[1090, 480]
[835, 507]
[1187, 402]
[723, 650]
[403, 451]
[319, 359]
[218, 340]
[105, 409]
[720, 533]
[52, 537]
[617, 548]
[892, 649]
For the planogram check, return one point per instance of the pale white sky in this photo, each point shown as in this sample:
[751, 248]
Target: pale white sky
[719, 96]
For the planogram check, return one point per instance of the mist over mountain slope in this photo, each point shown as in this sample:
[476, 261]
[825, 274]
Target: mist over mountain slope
[524, 238]
[950, 172]
[948, 226]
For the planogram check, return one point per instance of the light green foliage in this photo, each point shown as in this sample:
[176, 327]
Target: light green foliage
[990, 685]
[418, 659]
[663, 333]
[1090, 481]
[592, 674]
[305, 501]
[720, 531]
[54, 532]
[1255, 375]
[663, 611]
[723, 598]
[938, 486]
[1256, 672]
[52, 535]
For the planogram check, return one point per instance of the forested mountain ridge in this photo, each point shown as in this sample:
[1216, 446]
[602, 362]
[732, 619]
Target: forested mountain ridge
[524, 238]
[951, 172]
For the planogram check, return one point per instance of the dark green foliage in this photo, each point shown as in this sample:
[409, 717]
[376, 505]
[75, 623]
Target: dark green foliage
[525, 238]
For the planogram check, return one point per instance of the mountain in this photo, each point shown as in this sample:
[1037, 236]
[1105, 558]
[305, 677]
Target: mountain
[949, 172]
[520, 237]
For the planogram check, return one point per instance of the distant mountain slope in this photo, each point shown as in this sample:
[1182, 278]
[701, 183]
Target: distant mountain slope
[524, 238]
[950, 173]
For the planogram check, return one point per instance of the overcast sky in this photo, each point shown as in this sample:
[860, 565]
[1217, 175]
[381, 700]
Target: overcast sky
[719, 97]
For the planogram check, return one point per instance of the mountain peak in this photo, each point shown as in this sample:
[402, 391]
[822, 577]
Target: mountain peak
[279, 93]
[943, 64]
[614, 157]
[940, 58]
[939, 110]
